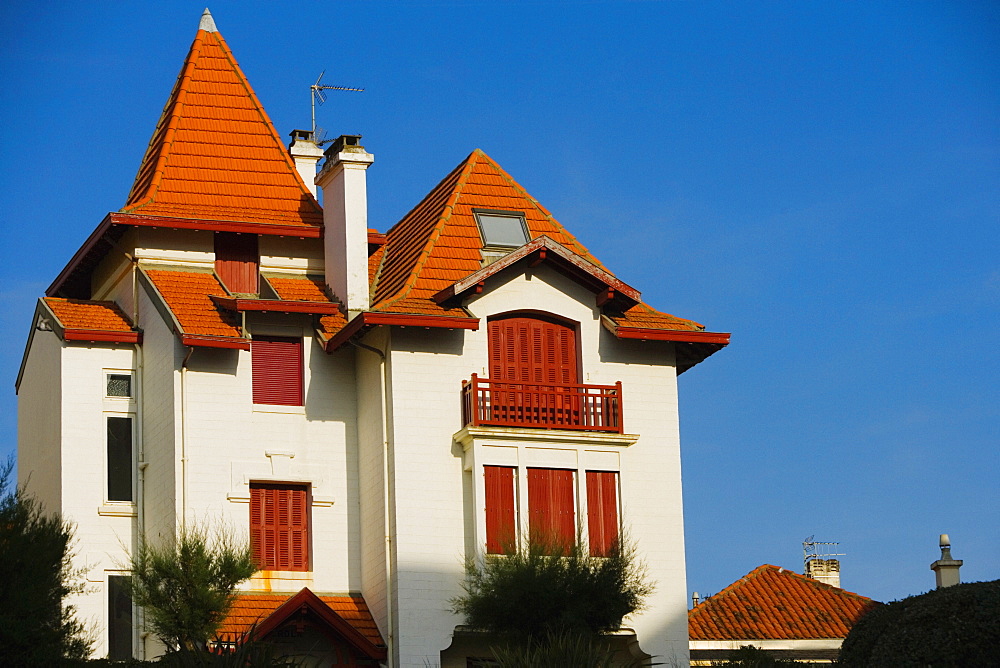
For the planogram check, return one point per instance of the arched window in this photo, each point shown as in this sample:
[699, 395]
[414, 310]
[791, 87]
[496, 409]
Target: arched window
[528, 348]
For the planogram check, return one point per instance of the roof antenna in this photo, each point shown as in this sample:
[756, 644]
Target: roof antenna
[316, 92]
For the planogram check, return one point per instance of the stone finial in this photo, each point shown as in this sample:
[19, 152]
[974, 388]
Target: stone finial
[207, 22]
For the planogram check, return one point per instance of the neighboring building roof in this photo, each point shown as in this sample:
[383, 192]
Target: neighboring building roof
[215, 156]
[771, 603]
[251, 610]
[187, 296]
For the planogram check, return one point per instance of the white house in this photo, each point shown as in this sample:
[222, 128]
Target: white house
[372, 408]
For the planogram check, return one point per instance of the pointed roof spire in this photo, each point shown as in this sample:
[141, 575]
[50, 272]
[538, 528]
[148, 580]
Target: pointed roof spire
[215, 156]
[207, 22]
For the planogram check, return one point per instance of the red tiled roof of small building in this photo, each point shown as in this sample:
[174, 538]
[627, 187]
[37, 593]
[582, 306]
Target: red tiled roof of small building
[87, 314]
[215, 154]
[186, 293]
[771, 603]
[250, 609]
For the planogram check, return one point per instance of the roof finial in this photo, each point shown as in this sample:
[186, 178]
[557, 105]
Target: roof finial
[207, 22]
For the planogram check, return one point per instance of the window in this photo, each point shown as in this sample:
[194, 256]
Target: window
[119, 619]
[236, 261]
[552, 503]
[501, 528]
[279, 526]
[119, 459]
[552, 506]
[119, 385]
[602, 511]
[277, 370]
[504, 229]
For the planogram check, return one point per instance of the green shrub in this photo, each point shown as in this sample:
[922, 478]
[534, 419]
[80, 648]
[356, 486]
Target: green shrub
[36, 627]
[187, 586]
[529, 594]
[954, 626]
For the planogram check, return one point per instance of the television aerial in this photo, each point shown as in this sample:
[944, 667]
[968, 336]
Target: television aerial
[316, 93]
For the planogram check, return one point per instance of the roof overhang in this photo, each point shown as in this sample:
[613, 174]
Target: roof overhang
[276, 305]
[272, 229]
[543, 249]
[651, 334]
[368, 319]
[69, 282]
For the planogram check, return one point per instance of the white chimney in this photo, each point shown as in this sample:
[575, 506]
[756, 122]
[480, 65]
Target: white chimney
[824, 570]
[306, 154]
[345, 219]
[946, 569]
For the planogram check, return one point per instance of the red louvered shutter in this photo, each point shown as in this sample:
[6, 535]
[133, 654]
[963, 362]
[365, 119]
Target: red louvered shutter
[501, 535]
[277, 370]
[279, 526]
[237, 261]
[552, 506]
[602, 511]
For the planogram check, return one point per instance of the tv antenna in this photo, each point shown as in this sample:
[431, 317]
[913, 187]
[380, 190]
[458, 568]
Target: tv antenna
[316, 93]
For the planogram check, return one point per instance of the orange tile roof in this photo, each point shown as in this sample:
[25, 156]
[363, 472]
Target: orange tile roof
[771, 603]
[643, 315]
[255, 608]
[186, 294]
[438, 242]
[306, 288]
[87, 314]
[215, 154]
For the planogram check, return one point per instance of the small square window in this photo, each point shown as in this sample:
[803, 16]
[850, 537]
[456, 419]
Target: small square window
[119, 385]
[504, 229]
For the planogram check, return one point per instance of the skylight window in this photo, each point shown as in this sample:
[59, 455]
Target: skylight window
[502, 229]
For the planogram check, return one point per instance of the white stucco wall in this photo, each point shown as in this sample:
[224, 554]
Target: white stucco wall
[433, 504]
[39, 420]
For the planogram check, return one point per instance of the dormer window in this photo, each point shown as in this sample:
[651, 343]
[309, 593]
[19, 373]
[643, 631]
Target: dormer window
[501, 229]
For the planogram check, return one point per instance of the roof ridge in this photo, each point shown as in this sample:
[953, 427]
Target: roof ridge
[580, 248]
[175, 99]
[263, 113]
[435, 233]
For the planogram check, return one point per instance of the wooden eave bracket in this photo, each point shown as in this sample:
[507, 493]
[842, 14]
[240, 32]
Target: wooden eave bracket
[543, 249]
[275, 305]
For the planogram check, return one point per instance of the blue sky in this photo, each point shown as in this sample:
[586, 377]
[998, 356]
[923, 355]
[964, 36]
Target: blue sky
[820, 179]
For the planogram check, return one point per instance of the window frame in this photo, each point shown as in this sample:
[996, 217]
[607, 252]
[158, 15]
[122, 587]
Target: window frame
[281, 534]
[108, 458]
[110, 626]
[519, 215]
[263, 369]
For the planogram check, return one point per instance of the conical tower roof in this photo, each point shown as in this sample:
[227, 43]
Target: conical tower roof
[215, 155]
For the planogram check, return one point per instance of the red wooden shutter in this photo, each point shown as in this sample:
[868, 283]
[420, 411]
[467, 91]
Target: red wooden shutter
[531, 350]
[277, 370]
[551, 506]
[602, 511]
[501, 536]
[236, 261]
[279, 527]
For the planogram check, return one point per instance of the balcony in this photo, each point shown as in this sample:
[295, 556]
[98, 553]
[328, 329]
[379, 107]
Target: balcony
[492, 403]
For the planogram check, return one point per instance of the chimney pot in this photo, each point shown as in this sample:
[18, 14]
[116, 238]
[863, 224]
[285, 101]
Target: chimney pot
[306, 154]
[946, 568]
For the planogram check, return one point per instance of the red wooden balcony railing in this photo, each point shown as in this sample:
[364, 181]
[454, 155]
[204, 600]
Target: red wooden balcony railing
[496, 403]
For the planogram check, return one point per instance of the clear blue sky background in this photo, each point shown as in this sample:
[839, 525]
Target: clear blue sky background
[818, 178]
